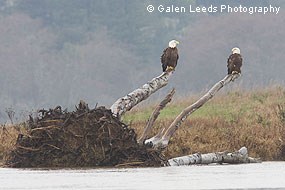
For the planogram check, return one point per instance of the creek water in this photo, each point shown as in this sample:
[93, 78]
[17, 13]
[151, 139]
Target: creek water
[266, 175]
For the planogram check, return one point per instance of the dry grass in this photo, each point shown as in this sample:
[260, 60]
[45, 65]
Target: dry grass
[8, 137]
[253, 119]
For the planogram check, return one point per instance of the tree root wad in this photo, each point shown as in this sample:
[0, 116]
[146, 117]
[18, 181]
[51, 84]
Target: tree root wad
[83, 138]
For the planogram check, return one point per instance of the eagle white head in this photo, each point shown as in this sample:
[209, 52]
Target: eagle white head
[173, 43]
[236, 50]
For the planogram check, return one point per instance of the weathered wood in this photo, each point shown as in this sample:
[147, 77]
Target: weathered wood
[163, 142]
[127, 102]
[238, 157]
[155, 115]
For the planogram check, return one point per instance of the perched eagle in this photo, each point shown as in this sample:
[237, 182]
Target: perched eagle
[234, 61]
[170, 56]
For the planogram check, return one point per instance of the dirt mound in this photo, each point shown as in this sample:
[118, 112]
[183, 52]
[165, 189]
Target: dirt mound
[83, 138]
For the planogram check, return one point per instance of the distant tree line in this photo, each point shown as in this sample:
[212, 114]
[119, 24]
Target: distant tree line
[58, 52]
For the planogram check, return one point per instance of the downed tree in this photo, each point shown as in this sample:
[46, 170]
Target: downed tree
[126, 103]
[154, 115]
[165, 135]
[238, 157]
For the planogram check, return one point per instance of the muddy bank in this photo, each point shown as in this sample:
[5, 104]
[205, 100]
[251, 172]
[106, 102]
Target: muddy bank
[83, 138]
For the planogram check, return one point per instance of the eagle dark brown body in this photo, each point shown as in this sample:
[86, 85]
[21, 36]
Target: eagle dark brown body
[234, 63]
[169, 58]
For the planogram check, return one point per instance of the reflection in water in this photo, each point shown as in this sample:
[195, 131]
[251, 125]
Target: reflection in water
[258, 176]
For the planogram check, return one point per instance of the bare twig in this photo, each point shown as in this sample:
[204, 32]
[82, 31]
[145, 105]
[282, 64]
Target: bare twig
[11, 114]
[45, 128]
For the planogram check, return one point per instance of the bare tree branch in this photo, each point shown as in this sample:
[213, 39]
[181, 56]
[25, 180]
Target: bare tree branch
[163, 142]
[127, 102]
[155, 115]
[238, 157]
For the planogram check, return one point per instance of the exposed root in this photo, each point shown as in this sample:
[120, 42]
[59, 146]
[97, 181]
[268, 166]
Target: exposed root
[83, 138]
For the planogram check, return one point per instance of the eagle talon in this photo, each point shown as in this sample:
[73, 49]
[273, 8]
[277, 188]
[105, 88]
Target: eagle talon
[169, 68]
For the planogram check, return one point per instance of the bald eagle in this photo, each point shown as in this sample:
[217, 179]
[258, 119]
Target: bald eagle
[170, 56]
[234, 61]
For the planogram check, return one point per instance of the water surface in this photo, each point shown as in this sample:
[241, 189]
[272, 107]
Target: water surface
[267, 175]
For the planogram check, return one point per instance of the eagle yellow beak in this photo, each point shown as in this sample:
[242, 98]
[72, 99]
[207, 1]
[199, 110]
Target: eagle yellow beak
[177, 42]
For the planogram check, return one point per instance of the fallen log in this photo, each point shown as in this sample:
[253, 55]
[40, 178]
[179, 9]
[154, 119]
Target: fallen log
[164, 140]
[126, 103]
[238, 157]
[154, 115]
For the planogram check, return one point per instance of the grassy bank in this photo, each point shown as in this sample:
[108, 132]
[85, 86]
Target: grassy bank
[8, 137]
[255, 119]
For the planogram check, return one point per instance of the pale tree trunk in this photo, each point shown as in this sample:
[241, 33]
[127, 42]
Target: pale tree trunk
[154, 115]
[237, 157]
[163, 141]
[127, 102]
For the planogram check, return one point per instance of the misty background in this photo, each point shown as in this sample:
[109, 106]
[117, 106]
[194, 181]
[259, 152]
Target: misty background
[57, 52]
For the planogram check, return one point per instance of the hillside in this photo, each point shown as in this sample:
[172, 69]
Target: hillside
[59, 52]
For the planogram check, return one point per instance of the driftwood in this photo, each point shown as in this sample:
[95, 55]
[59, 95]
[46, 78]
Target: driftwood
[82, 138]
[161, 141]
[155, 114]
[127, 102]
[238, 157]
